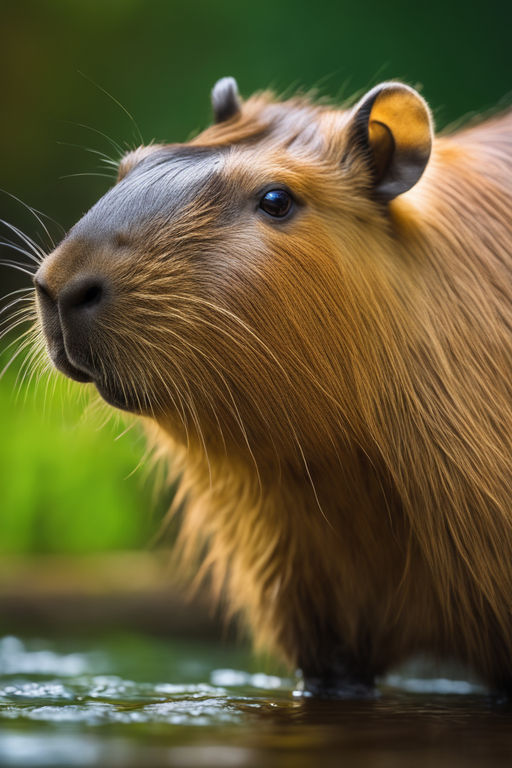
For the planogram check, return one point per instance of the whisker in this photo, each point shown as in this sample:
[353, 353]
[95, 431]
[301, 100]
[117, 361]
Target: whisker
[129, 115]
[17, 339]
[45, 396]
[31, 365]
[88, 173]
[19, 249]
[17, 290]
[113, 163]
[40, 369]
[15, 301]
[19, 267]
[12, 304]
[124, 432]
[29, 310]
[37, 214]
[15, 323]
[36, 248]
[116, 146]
[24, 368]
[102, 155]
[7, 331]
[20, 349]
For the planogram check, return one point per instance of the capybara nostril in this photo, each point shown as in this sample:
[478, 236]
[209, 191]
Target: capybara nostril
[85, 295]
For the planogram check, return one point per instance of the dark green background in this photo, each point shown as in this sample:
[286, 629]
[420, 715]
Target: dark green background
[62, 480]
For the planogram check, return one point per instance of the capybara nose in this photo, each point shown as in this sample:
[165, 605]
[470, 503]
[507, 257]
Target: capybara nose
[80, 302]
[82, 299]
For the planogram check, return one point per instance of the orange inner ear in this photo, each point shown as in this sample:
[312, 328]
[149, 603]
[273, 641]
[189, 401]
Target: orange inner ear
[382, 144]
[393, 122]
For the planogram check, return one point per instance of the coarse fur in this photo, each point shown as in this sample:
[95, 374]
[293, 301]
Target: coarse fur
[334, 391]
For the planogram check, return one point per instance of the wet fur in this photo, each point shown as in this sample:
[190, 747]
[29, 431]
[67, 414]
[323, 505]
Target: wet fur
[335, 394]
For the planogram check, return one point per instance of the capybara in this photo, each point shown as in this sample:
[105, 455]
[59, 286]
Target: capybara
[311, 309]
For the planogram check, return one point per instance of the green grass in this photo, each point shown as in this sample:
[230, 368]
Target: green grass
[66, 483]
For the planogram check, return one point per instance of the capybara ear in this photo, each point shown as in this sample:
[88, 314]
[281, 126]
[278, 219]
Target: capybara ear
[392, 126]
[225, 99]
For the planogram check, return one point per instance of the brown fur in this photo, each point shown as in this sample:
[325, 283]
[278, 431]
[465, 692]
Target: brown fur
[334, 394]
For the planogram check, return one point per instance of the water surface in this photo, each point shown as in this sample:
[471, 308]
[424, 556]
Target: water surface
[139, 701]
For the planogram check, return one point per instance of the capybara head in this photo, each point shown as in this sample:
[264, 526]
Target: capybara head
[214, 286]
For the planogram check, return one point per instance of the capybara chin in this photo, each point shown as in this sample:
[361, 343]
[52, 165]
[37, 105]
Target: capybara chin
[312, 307]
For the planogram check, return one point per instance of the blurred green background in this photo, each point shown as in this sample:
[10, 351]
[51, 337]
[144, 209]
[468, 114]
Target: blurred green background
[66, 483]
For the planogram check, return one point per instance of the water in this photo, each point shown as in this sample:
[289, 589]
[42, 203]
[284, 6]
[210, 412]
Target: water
[137, 701]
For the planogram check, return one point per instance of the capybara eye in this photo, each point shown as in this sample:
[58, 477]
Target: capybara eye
[276, 202]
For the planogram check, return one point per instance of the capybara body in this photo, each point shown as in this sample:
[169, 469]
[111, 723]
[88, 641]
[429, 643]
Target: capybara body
[311, 307]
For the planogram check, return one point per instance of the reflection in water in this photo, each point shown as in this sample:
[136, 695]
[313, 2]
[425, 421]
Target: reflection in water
[106, 706]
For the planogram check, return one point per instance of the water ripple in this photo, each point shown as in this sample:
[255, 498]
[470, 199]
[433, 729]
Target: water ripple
[115, 707]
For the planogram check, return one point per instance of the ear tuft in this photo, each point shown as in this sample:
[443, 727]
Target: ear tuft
[392, 125]
[225, 99]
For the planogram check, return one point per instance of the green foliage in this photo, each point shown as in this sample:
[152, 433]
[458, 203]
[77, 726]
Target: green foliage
[66, 482]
